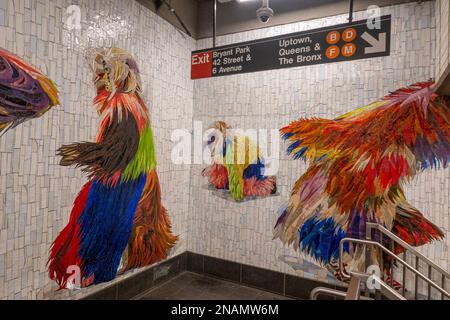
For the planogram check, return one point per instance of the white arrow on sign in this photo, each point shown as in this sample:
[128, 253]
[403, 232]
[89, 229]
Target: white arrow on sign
[377, 45]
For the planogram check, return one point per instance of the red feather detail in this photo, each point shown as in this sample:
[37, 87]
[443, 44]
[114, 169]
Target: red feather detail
[366, 156]
[217, 175]
[151, 237]
[412, 227]
[125, 104]
[65, 248]
[259, 188]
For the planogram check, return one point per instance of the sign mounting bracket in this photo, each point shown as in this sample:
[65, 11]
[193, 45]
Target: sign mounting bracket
[350, 11]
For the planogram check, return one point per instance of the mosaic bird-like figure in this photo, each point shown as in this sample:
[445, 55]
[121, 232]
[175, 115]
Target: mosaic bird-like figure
[359, 163]
[25, 93]
[237, 165]
[117, 219]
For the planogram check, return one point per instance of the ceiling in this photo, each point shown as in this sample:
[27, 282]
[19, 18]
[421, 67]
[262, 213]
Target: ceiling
[234, 16]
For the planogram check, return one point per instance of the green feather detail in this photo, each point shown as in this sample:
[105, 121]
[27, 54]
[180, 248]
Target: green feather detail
[235, 181]
[235, 175]
[144, 159]
[235, 172]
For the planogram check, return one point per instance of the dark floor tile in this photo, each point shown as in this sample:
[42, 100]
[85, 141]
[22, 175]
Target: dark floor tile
[210, 288]
[158, 296]
[194, 262]
[161, 294]
[164, 293]
[135, 284]
[240, 293]
[214, 296]
[166, 270]
[271, 296]
[191, 286]
[188, 293]
[262, 278]
[188, 277]
[225, 290]
[108, 293]
[208, 282]
[301, 287]
[222, 268]
[167, 289]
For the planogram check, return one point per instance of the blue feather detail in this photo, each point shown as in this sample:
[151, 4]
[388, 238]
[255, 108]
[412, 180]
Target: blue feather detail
[425, 164]
[321, 157]
[287, 135]
[300, 154]
[320, 239]
[293, 146]
[224, 149]
[227, 144]
[105, 226]
[255, 170]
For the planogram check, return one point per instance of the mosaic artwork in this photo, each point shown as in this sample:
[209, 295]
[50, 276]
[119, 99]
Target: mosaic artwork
[84, 29]
[25, 93]
[117, 222]
[237, 165]
[359, 163]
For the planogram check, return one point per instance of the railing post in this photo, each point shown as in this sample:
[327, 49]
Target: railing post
[392, 264]
[404, 274]
[413, 267]
[367, 256]
[416, 278]
[429, 285]
[353, 289]
[214, 23]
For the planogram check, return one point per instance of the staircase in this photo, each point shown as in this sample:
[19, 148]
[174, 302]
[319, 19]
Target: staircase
[412, 269]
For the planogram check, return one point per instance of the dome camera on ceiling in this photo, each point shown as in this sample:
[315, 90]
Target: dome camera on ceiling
[264, 13]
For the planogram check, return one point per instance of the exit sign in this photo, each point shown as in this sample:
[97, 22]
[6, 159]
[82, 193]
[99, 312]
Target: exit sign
[344, 42]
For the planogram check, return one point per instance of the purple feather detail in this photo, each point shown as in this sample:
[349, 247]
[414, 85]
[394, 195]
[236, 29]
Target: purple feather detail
[282, 217]
[21, 96]
[312, 188]
[430, 155]
[357, 225]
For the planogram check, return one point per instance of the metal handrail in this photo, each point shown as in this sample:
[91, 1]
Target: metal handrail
[326, 291]
[370, 226]
[385, 289]
[331, 292]
[388, 291]
[430, 265]
[376, 244]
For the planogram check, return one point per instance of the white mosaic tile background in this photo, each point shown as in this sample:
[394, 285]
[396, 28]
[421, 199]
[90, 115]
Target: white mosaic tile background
[242, 232]
[442, 35]
[36, 194]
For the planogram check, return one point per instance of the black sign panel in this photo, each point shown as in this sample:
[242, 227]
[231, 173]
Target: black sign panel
[345, 42]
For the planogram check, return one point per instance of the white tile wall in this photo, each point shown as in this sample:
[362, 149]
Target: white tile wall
[36, 194]
[271, 99]
[442, 36]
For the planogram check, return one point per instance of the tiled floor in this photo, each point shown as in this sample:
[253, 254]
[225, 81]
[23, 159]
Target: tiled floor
[192, 286]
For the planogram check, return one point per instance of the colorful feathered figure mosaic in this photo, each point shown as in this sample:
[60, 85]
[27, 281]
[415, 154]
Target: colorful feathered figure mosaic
[237, 165]
[117, 218]
[25, 93]
[359, 163]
